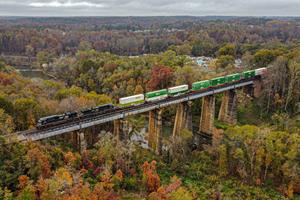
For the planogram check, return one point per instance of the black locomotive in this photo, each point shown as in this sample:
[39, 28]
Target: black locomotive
[71, 116]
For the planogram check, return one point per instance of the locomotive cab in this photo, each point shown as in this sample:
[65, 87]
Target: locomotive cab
[50, 119]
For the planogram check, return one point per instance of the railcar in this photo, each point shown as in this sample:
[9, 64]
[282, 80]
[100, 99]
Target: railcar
[98, 109]
[156, 95]
[42, 122]
[261, 71]
[178, 90]
[218, 81]
[87, 111]
[201, 85]
[105, 107]
[71, 115]
[249, 74]
[150, 96]
[132, 100]
[233, 77]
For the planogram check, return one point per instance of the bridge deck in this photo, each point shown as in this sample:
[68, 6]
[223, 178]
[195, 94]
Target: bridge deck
[122, 113]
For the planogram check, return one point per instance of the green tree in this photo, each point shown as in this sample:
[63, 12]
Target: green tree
[168, 58]
[264, 57]
[12, 164]
[44, 57]
[25, 113]
[293, 94]
[6, 123]
[6, 105]
[184, 49]
[85, 46]
[227, 50]
[28, 193]
[98, 98]
[2, 65]
[180, 194]
[257, 155]
[225, 61]
[202, 48]
[67, 92]
[186, 75]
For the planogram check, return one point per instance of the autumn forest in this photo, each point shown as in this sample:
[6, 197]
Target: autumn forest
[91, 61]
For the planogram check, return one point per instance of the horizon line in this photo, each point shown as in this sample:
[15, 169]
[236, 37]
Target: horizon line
[70, 16]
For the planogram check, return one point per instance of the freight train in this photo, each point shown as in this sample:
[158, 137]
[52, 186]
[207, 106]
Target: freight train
[71, 116]
[148, 97]
[183, 89]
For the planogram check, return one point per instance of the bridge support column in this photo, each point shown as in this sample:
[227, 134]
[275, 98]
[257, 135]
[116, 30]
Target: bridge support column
[79, 141]
[254, 90]
[155, 131]
[121, 129]
[82, 142]
[189, 116]
[228, 108]
[257, 88]
[183, 119]
[124, 130]
[117, 128]
[207, 115]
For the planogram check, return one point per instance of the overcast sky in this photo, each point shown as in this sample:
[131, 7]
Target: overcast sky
[149, 7]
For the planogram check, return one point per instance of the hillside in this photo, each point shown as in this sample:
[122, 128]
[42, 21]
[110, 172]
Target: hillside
[95, 61]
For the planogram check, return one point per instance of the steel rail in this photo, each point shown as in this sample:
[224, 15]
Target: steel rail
[89, 121]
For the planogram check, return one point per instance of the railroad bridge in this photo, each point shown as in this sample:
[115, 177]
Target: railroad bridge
[183, 119]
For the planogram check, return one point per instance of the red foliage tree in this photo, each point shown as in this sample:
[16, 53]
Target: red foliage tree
[161, 77]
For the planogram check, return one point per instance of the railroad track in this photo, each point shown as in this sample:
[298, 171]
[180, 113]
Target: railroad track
[93, 120]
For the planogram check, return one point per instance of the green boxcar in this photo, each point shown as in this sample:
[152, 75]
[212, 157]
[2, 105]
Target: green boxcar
[157, 93]
[214, 81]
[200, 85]
[218, 81]
[233, 77]
[222, 80]
[249, 74]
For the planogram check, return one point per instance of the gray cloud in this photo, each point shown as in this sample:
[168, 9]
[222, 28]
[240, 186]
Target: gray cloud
[149, 7]
[68, 4]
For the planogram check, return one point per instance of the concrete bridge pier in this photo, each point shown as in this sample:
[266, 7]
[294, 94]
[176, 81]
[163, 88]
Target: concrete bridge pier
[207, 115]
[189, 118]
[183, 119]
[79, 141]
[82, 142]
[257, 88]
[125, 130]
[121, 129]
[254, 90]
[117, 128]
[228, 108]
[155, 130]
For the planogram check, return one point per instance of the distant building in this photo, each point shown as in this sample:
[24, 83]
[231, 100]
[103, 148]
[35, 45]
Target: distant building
[202, 61]
[238, 63]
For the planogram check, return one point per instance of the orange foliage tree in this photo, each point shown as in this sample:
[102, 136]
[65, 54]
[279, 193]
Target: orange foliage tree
[150, 176]
[38, 161]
